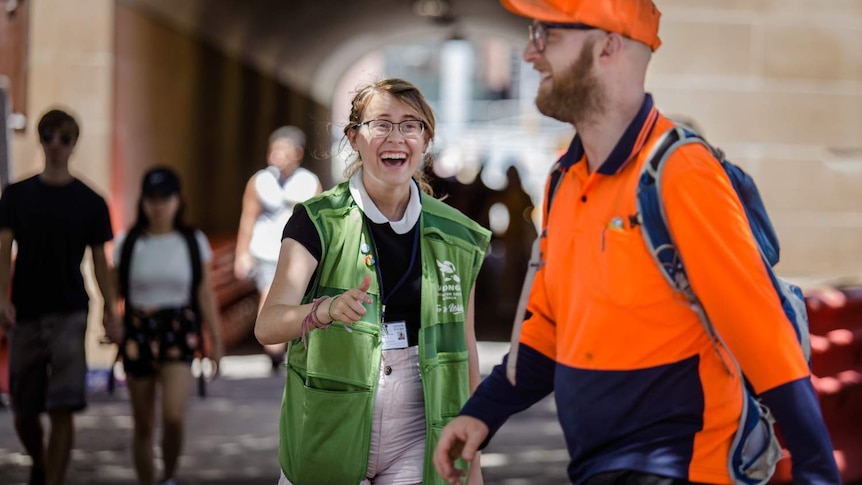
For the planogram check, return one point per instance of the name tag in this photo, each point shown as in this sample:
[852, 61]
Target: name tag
[394, 335]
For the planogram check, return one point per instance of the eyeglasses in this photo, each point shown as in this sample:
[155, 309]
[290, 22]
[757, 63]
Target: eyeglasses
[47, 137]
[382, 128]
[539, 32]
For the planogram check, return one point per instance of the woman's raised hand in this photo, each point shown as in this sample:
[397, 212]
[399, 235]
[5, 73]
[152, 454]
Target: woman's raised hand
[348, 307]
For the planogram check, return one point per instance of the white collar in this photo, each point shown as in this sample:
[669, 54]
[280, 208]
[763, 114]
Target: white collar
[363, 200]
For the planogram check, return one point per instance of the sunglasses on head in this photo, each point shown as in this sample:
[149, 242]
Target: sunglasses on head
[48, 135]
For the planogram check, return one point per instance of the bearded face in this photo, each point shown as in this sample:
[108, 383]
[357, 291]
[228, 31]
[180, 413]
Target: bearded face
[575, 94]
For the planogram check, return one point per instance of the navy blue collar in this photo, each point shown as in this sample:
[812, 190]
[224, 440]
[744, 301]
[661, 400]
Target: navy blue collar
[622, 152]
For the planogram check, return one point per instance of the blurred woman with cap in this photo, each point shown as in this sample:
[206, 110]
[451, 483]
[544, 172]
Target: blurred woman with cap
[162, 270]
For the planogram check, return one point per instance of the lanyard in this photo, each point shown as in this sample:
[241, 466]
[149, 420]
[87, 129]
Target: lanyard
[385, 298]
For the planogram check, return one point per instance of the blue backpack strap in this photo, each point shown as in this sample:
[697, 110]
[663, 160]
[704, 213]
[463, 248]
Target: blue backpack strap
[651, 213]
[653, 222]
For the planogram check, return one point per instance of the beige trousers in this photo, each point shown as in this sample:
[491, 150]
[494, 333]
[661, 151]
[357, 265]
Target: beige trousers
[397, 449]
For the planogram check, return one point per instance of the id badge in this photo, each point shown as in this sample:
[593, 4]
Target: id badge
[394, 335]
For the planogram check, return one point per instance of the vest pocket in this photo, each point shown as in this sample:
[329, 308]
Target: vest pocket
[324, 434]
[444, 372]
[431, 477]
[338, 360]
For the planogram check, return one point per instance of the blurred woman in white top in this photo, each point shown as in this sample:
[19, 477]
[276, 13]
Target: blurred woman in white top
[267, 204]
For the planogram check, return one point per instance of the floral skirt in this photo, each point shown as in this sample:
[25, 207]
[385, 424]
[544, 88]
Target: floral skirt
[152, 338]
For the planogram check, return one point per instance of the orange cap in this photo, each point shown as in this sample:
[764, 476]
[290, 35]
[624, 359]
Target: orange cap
[635, 19]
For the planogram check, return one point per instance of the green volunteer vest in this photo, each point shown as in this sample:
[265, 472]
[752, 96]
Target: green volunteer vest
[327, 407]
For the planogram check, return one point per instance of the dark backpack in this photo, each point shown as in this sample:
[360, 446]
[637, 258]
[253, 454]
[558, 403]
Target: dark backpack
[755, 449]
[660, 243]
[197, 275]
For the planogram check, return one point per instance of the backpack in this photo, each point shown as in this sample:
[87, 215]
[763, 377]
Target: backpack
[755, 449]
[125, 264]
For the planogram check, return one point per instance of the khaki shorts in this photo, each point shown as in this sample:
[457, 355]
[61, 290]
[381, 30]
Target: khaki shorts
[397, 451]
[47, 363]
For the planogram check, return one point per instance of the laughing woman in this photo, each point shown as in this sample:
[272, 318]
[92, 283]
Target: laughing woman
[374, 293]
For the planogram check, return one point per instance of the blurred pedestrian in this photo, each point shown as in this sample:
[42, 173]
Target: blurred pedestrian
[645, 395]
[162, 267]
[267, 203]
[374, 290]
[53, 217]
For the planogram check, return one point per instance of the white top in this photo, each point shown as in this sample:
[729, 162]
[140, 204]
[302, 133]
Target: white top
[160, 275]
[277, 197]
[363, 200]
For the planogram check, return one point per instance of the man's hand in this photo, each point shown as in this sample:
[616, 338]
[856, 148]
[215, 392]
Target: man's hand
[7, 313]
[460, 438]
[113, 326]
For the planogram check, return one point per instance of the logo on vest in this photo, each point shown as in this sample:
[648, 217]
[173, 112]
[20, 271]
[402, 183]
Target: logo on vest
[449, 293]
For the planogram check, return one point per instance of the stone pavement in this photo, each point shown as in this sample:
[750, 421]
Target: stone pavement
[232, 435]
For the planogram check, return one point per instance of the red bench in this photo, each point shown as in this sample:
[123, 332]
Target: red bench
[836, 365]
[237, 299]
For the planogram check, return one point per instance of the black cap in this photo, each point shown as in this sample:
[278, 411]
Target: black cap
[160, 181]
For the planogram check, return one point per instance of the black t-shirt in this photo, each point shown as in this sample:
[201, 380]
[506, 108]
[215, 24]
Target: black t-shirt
[393, 259]
[52, 225]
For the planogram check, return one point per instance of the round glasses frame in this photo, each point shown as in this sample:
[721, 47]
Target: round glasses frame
[538, 32]
[383, 128]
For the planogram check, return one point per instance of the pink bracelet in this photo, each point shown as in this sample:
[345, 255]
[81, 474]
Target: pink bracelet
[311, 320]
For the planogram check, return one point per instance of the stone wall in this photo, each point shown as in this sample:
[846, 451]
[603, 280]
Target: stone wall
[778, 85]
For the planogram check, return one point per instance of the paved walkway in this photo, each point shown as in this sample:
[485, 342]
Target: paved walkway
[232, 436]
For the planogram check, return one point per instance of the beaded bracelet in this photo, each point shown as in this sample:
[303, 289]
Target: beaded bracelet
[311, 320]
[329, 309]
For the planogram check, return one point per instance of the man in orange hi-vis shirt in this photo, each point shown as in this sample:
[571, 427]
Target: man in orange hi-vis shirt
[642, 395]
